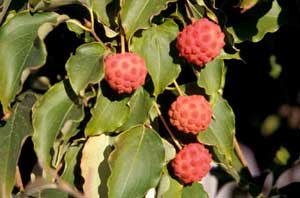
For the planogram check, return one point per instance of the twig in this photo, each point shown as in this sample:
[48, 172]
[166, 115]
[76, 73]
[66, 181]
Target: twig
[167, 127]
[62, 185]
[19, 179]
[178, 88]
[239, 152]
[90, 27]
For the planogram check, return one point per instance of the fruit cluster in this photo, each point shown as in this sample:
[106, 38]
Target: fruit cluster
[198, 43]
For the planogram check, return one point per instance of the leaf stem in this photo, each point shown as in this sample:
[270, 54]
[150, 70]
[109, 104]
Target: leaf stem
[239, 152]
[167, 127]
[19, 179]
[178, 88]
[91, 27]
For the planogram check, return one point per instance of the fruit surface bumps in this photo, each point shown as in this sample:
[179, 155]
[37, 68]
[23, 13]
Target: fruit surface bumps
[192, 163]
[125, 72]
[190, 114]
[200, 42]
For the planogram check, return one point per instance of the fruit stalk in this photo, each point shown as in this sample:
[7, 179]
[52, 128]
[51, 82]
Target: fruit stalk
[167, 127]
[178, 88]
[122, 37]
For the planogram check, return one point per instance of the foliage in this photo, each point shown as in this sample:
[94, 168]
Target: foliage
[87, 137]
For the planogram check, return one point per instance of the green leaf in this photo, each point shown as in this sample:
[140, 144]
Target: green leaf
[170, 151]
[106, 12]
[140, 104]
[50, 193]
[256, 26]
[168, 187]
[4, 7]
[75, 26]
[12, 136]
[86, 66]
[137, 15]
[101, 10]
[210, 77]
[270, 125]
[71, 161]
[276, 68]
[136, 163]
[54, 113]
[42, 188]
[37, 5]
[107, 116]
[22, 49]
[247, 4]
[226, 56]
[94, 166]
[198, 11]
[210, 13]
[196, 190]
[221, 130]
[232, 167]
[282, 156]
[155, 46]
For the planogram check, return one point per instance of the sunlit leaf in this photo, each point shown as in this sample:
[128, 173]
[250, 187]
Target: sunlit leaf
[94, 166]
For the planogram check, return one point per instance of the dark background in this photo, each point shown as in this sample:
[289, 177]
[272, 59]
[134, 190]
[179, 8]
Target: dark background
[254, 94]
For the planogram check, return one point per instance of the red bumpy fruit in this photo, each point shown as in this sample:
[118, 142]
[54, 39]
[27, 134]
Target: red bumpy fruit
[125, 72]
[192, 163]
[200, 42]
[190, 114]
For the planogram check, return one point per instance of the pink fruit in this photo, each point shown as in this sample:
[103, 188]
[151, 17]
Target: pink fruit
[125, 72]
[200, 42]
[192, 163]
[190, 114]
